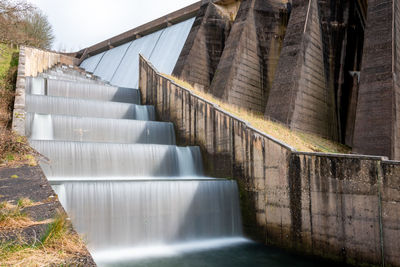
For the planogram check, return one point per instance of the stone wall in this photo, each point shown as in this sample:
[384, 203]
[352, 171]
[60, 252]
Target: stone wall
[32, 61]
[342, 207]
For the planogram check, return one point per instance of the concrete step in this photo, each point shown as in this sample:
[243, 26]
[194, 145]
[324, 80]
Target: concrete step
[82, 90]
[85, 129]
[87, 108]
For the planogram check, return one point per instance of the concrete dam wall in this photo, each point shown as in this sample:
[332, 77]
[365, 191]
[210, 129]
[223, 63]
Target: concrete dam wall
[323, 67]
[344, 207]
[119, 65]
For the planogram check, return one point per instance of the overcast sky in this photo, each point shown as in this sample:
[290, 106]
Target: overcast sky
[80, 23]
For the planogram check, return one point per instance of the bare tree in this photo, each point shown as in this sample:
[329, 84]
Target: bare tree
[12, 14]
[22, 23]
[38, 30]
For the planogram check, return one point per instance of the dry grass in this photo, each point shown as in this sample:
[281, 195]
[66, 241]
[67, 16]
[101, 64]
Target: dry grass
[15, 151]
[59, 246]
[12, 216]
[65, 251]
[300, 141]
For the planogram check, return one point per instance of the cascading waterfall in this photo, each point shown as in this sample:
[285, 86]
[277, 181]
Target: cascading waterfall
[87, 108]
[84, 129]
[150, 213]
[37, 86]
[189, 159]
[82, 159]
[126, 185]
[73, 89]
[42, 127]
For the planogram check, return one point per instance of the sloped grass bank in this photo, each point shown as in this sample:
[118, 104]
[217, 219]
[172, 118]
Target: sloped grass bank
[301, 141]
[14, 149]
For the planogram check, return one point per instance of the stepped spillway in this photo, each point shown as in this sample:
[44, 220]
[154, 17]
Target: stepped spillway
[87, 108]
[88, 129]
[119, 174]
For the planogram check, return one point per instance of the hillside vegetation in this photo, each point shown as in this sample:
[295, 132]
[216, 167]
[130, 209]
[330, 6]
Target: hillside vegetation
[299, 140]
[14, 149]
[21, 23]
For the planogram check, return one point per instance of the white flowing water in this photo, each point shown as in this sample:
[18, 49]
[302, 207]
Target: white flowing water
[37, 86]
[188, 158]
[42, 127]
[125, 184]
[73, 128]
[149, 213]
[87, 108]
[73, 89]
[83, 159]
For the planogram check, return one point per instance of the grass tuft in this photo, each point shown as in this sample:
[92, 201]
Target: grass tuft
[58, 246]
[299, 140]
[12, 216]
[24, 202]
[56, 229]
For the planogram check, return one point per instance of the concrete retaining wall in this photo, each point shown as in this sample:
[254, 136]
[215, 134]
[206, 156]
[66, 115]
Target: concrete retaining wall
[343, 207]
[32, 61]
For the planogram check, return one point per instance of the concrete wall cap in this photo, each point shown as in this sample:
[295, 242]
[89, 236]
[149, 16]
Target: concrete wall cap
[338, 155]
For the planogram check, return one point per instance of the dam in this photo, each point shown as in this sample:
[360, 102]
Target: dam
[119, 174]
[110, 150]
[135, 196]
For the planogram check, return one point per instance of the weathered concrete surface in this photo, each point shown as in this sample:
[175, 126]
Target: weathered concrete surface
[299, 96]
[391, 212]
[298, 62]
[203, 48]
[377, 119]
[247, 66]
[334, 206]
[32, 184]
